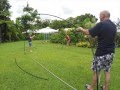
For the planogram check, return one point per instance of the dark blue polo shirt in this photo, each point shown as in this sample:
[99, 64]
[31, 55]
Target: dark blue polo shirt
[105, 31]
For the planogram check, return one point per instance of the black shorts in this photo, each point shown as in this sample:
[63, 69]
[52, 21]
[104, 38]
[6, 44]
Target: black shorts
[102, 62]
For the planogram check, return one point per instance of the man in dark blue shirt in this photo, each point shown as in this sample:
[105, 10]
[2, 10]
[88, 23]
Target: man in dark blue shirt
[105, 31]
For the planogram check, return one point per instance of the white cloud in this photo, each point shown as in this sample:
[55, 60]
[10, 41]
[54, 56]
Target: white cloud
[67, 8]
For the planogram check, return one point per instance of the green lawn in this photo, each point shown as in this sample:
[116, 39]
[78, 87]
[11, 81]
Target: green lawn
[71, 64]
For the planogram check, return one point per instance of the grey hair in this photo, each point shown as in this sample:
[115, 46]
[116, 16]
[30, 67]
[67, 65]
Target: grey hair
[106, 13]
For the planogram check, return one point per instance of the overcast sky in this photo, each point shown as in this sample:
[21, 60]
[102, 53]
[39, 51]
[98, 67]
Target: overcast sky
[67, 8]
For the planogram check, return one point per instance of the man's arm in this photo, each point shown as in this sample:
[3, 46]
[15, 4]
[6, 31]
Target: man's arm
[33, 36]
[85, 31]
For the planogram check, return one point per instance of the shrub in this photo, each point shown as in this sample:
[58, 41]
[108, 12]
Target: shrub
[117, 39]
[83, 44]
[39, 37]
[58, 37]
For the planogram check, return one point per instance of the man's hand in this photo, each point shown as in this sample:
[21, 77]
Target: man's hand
[85, 31]
[33, 36]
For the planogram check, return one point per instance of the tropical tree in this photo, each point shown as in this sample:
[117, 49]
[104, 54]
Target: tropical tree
[13, 32]
[4, 10]
[56, 24]
[4, 19]
[86, 21]
[118, 23]
[44, 23]
[29, 19]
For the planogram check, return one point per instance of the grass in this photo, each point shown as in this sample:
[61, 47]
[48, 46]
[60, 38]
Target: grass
[72, 64]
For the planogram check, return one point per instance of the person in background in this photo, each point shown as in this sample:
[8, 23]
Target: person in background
[105, 31]
[30, 37]
[67, 39]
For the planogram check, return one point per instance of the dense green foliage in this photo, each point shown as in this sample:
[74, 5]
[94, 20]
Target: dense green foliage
[31, 20]
[60, 37]
[118, 39]
[7, 27]
[4, 10]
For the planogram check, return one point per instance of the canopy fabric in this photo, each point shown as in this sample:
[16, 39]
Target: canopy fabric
[46, 30]
[118, 30]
